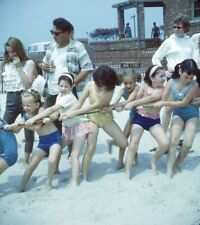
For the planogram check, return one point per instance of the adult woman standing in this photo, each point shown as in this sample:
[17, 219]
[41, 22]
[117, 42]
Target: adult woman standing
[18, 74]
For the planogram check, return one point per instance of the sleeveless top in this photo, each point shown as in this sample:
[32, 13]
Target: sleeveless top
[99, 118]
[125, 95]
[11, 78]
[188, 111]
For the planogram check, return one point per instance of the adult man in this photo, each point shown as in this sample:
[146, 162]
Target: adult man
[155, 33]
[65, 55]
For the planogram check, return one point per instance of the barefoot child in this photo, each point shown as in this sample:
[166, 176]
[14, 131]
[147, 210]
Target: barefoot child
[182, 88]
[129, 93]
[147, 118]
[49, 138]
[100, 92]
[76, 130]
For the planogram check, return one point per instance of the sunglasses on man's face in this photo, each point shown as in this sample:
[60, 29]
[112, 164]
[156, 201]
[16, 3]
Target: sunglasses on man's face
[56, 33]
[177, 27]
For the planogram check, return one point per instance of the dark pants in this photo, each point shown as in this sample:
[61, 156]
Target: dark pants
[50, 101]
[13, 109]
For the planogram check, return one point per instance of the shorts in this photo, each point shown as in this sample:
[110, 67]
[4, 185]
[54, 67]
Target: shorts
[8, 147]
[46, 141]
[145, 122]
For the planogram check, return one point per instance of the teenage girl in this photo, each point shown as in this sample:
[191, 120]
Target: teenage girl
[49, 138]
[128, 93]
[147, 118]
[182, 88]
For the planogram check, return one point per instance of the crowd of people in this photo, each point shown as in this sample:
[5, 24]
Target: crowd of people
[61, 118]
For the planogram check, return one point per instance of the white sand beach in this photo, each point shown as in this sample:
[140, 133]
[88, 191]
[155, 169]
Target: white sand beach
[109, 198]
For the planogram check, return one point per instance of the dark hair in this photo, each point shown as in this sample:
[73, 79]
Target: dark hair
[188, 66]
[151, 72]
[67, 77]
[32, 93]
[184, 22]
[63, 24]
[18, 47]
[106, 76]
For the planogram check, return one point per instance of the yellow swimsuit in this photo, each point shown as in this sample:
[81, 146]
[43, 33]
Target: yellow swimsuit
[101, 119]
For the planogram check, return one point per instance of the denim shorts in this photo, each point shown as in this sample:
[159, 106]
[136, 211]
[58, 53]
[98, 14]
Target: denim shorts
[8, 147]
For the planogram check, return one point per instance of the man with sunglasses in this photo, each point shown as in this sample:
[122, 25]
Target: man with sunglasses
[65, 55]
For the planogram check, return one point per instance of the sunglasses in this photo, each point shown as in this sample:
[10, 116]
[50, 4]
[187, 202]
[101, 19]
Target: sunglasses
[177, 27]
[56, 33]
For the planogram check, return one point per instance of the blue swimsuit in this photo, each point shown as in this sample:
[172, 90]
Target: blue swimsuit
[133, 110]
[189, 111]
[46, 141]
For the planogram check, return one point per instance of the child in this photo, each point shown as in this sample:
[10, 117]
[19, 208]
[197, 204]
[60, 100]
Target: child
[78, 129]
[100, 92]
[8, 148]
[147, 118]
[185, 115]
[39, 82]
[49, 138]
[129, 92]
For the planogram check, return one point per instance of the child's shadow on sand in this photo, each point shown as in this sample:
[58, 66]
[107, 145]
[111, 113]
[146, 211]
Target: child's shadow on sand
[11, 186]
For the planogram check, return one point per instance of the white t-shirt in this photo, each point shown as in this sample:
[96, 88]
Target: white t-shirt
[73, 58]
[38, 85]
[195, 39]
[66, 102]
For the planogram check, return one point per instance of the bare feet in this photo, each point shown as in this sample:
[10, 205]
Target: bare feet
[110, 144]
[21, 188]
[170, 173]
[119, 165]
[57, 171]
[153, 167]
[74, 183]
[48, 187]
[25, 164]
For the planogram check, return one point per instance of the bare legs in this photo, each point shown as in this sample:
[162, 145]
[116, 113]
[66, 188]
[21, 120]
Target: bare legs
[76, 149]
[166, 117]
[53, 157]
[3, 165]
[163, 144]
[91, 146]
[120, 162]
[136, 134]
[189, 134]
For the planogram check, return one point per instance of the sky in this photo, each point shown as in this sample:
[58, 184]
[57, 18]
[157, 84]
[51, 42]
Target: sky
[31, 20]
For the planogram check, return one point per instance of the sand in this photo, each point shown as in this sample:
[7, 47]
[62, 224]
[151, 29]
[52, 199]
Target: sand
[109, 198]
